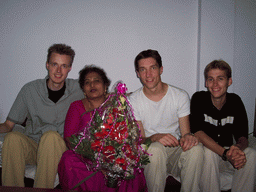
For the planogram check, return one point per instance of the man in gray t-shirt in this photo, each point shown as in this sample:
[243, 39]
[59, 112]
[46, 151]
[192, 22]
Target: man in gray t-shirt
[43, 103]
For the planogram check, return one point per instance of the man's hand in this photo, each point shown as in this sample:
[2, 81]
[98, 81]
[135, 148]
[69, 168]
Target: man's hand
[166, 139]
[7, 126]
[188, 141]
[236, 157]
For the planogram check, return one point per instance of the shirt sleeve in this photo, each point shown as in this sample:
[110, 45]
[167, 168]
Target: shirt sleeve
[241, 120]
[134, 106]
[72, 120]
[196, 115]
[19, 109]
[184, 105]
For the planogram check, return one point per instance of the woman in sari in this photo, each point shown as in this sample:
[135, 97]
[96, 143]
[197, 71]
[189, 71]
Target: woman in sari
[94, 83]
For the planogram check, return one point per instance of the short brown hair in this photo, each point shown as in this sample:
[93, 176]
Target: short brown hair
[61, 49]
[146, 54]
[218, 64]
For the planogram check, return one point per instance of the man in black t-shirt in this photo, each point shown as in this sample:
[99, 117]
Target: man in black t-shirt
[216, 118]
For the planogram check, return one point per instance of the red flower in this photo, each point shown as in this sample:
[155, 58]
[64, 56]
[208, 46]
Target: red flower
[109, 152]
[106, 127]
[99, 135]
[118, 136]
[110, 119]
[114, 138]
[115, 112]
[96, 145]
[121, 162]
[128, 151]
[120, 125]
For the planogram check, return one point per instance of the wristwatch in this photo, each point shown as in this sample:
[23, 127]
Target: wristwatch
[224, 155]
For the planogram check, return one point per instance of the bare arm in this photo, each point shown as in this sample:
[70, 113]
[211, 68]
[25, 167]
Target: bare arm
[242, 143]
[235, 155]
[7, 126]
[209, 142]
[187, 140]
[236, 151]
[142, 132]
[184, 125]
[165, 138]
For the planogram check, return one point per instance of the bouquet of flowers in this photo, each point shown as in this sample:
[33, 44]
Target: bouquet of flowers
[111, 141]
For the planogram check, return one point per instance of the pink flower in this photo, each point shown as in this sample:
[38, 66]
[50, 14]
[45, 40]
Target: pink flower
[121, 88]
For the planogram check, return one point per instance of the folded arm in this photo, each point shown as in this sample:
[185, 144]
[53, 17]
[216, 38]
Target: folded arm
[165, 138]
[187, 141]
[235, 155]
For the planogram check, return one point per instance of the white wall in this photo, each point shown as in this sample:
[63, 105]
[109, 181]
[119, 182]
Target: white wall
[228, 32]
[111, 33]
[106, 33]
[217, 34]
[244, 75]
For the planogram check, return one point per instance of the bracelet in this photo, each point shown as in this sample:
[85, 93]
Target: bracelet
[188, 134]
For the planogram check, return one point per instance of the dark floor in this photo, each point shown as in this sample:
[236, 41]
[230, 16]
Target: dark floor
[172, 185]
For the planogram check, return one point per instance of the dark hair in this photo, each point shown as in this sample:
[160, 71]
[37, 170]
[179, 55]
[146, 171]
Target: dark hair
[218, 64]
[92, 68]
[146, 54]
[61, 49]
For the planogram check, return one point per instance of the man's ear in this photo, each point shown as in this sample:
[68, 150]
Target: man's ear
[230, 81]
[138, 75]
[47, 66]
[70, 68]
[161, 70]
[205, 84]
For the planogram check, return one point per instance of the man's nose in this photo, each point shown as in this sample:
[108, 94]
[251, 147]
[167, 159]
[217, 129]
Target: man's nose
[148, 73]
[59, 69]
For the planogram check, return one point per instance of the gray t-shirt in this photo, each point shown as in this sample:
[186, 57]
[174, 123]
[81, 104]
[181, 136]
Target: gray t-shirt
[43, 114]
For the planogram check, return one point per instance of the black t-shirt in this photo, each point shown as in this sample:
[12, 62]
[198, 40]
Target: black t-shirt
[220, 125]
[56, 95]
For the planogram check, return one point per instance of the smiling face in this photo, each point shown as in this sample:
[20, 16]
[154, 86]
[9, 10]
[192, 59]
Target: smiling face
[217, 83]
[58, 68]
[149, 73]
[94, 86]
